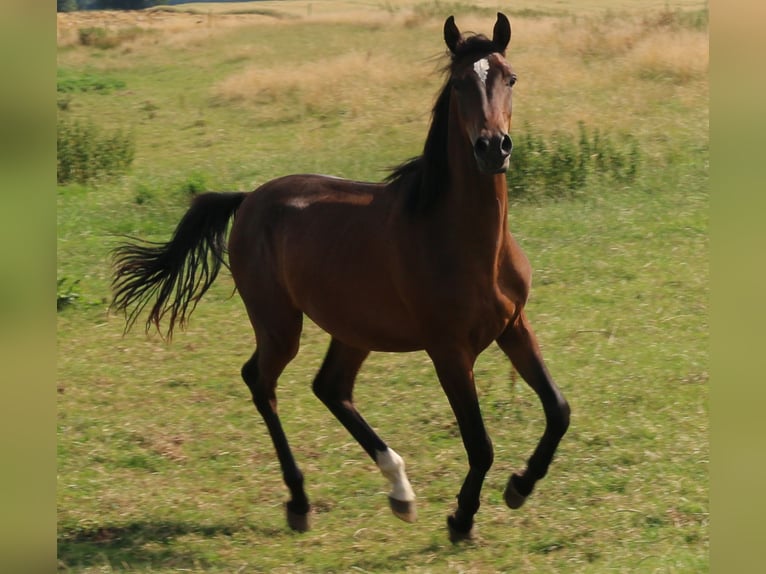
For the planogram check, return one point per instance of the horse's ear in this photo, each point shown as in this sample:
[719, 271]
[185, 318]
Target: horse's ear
[501, 34]
[451, 34]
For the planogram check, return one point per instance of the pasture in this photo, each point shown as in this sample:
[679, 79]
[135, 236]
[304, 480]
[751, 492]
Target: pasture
[163, 463]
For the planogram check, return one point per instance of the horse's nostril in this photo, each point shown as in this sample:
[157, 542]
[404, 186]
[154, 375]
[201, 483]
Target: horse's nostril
[482, 145]
[507, 144]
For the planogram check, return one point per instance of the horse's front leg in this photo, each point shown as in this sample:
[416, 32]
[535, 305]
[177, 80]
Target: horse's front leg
[518, 341]
[455, 371]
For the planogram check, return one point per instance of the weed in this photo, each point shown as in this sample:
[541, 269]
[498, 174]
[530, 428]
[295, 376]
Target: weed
[560, 166]
[104, 39]
[66, 294]
[63, 103]
[194, 184]
[143, 194]
[85, 153]
[97, 37]
[150, 109]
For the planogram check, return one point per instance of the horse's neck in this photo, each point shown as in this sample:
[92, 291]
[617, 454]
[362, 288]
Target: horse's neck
[476, 202]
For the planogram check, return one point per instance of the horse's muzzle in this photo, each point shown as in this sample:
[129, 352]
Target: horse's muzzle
[493, 154]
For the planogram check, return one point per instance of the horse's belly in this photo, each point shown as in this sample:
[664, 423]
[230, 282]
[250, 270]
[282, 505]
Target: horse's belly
[371, 326]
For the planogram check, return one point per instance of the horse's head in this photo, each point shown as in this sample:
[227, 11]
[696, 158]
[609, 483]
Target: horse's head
[482, 83]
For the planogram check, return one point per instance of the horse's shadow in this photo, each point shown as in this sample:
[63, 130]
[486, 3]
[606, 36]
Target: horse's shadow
[151, 544]
[139, 544]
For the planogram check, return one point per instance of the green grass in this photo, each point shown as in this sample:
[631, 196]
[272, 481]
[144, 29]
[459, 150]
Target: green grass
[67, 82]
[164, 464]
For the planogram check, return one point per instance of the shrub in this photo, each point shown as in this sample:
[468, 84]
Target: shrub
[561, 166]
[194, 184]
[97, 37]
[144, 194]
[85, 153]
[63, 103]
[66, 294]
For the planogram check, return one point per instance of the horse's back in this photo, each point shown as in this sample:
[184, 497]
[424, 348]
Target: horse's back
[328, 245]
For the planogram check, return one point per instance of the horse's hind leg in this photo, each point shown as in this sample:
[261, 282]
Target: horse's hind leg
[334, 386]
[260, 374]
[518, 341]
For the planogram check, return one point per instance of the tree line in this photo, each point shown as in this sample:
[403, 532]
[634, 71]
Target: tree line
[72, 5]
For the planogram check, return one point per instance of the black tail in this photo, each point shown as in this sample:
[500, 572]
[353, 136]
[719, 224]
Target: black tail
[176, 274]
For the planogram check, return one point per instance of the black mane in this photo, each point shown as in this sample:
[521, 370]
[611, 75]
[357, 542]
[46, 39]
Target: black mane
[425, 177]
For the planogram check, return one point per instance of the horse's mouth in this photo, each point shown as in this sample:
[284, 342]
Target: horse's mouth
[493, 168]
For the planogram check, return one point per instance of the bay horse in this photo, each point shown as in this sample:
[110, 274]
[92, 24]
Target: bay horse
[422, 261]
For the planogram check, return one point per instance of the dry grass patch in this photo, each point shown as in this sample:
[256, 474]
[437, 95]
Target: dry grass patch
[679, 57]
[350, 81]
[613, 35]
[130, 24]
[598, 38]
[606, 70]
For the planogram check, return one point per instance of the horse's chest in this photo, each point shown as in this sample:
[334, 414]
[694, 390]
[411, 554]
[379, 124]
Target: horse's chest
[492, 313]
[475, 315]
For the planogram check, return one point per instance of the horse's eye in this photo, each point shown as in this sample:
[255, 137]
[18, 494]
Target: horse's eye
[511, 81]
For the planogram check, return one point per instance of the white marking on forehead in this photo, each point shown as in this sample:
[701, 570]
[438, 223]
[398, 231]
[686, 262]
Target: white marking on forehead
[481, 67]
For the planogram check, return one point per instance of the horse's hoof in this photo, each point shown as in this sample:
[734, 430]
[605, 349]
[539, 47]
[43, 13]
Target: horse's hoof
[403, 509]
[298, 522]
[457, 533]
[513, 498]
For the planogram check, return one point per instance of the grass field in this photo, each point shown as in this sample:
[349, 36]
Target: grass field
[163, 463]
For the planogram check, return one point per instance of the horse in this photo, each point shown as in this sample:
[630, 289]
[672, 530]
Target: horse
[423, 261]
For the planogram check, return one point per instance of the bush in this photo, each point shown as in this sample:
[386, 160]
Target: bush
[85, 153]
[97, 37]
[104, 39]
[144, 194]
[66, 294]
[561, 166]
[194, 184]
